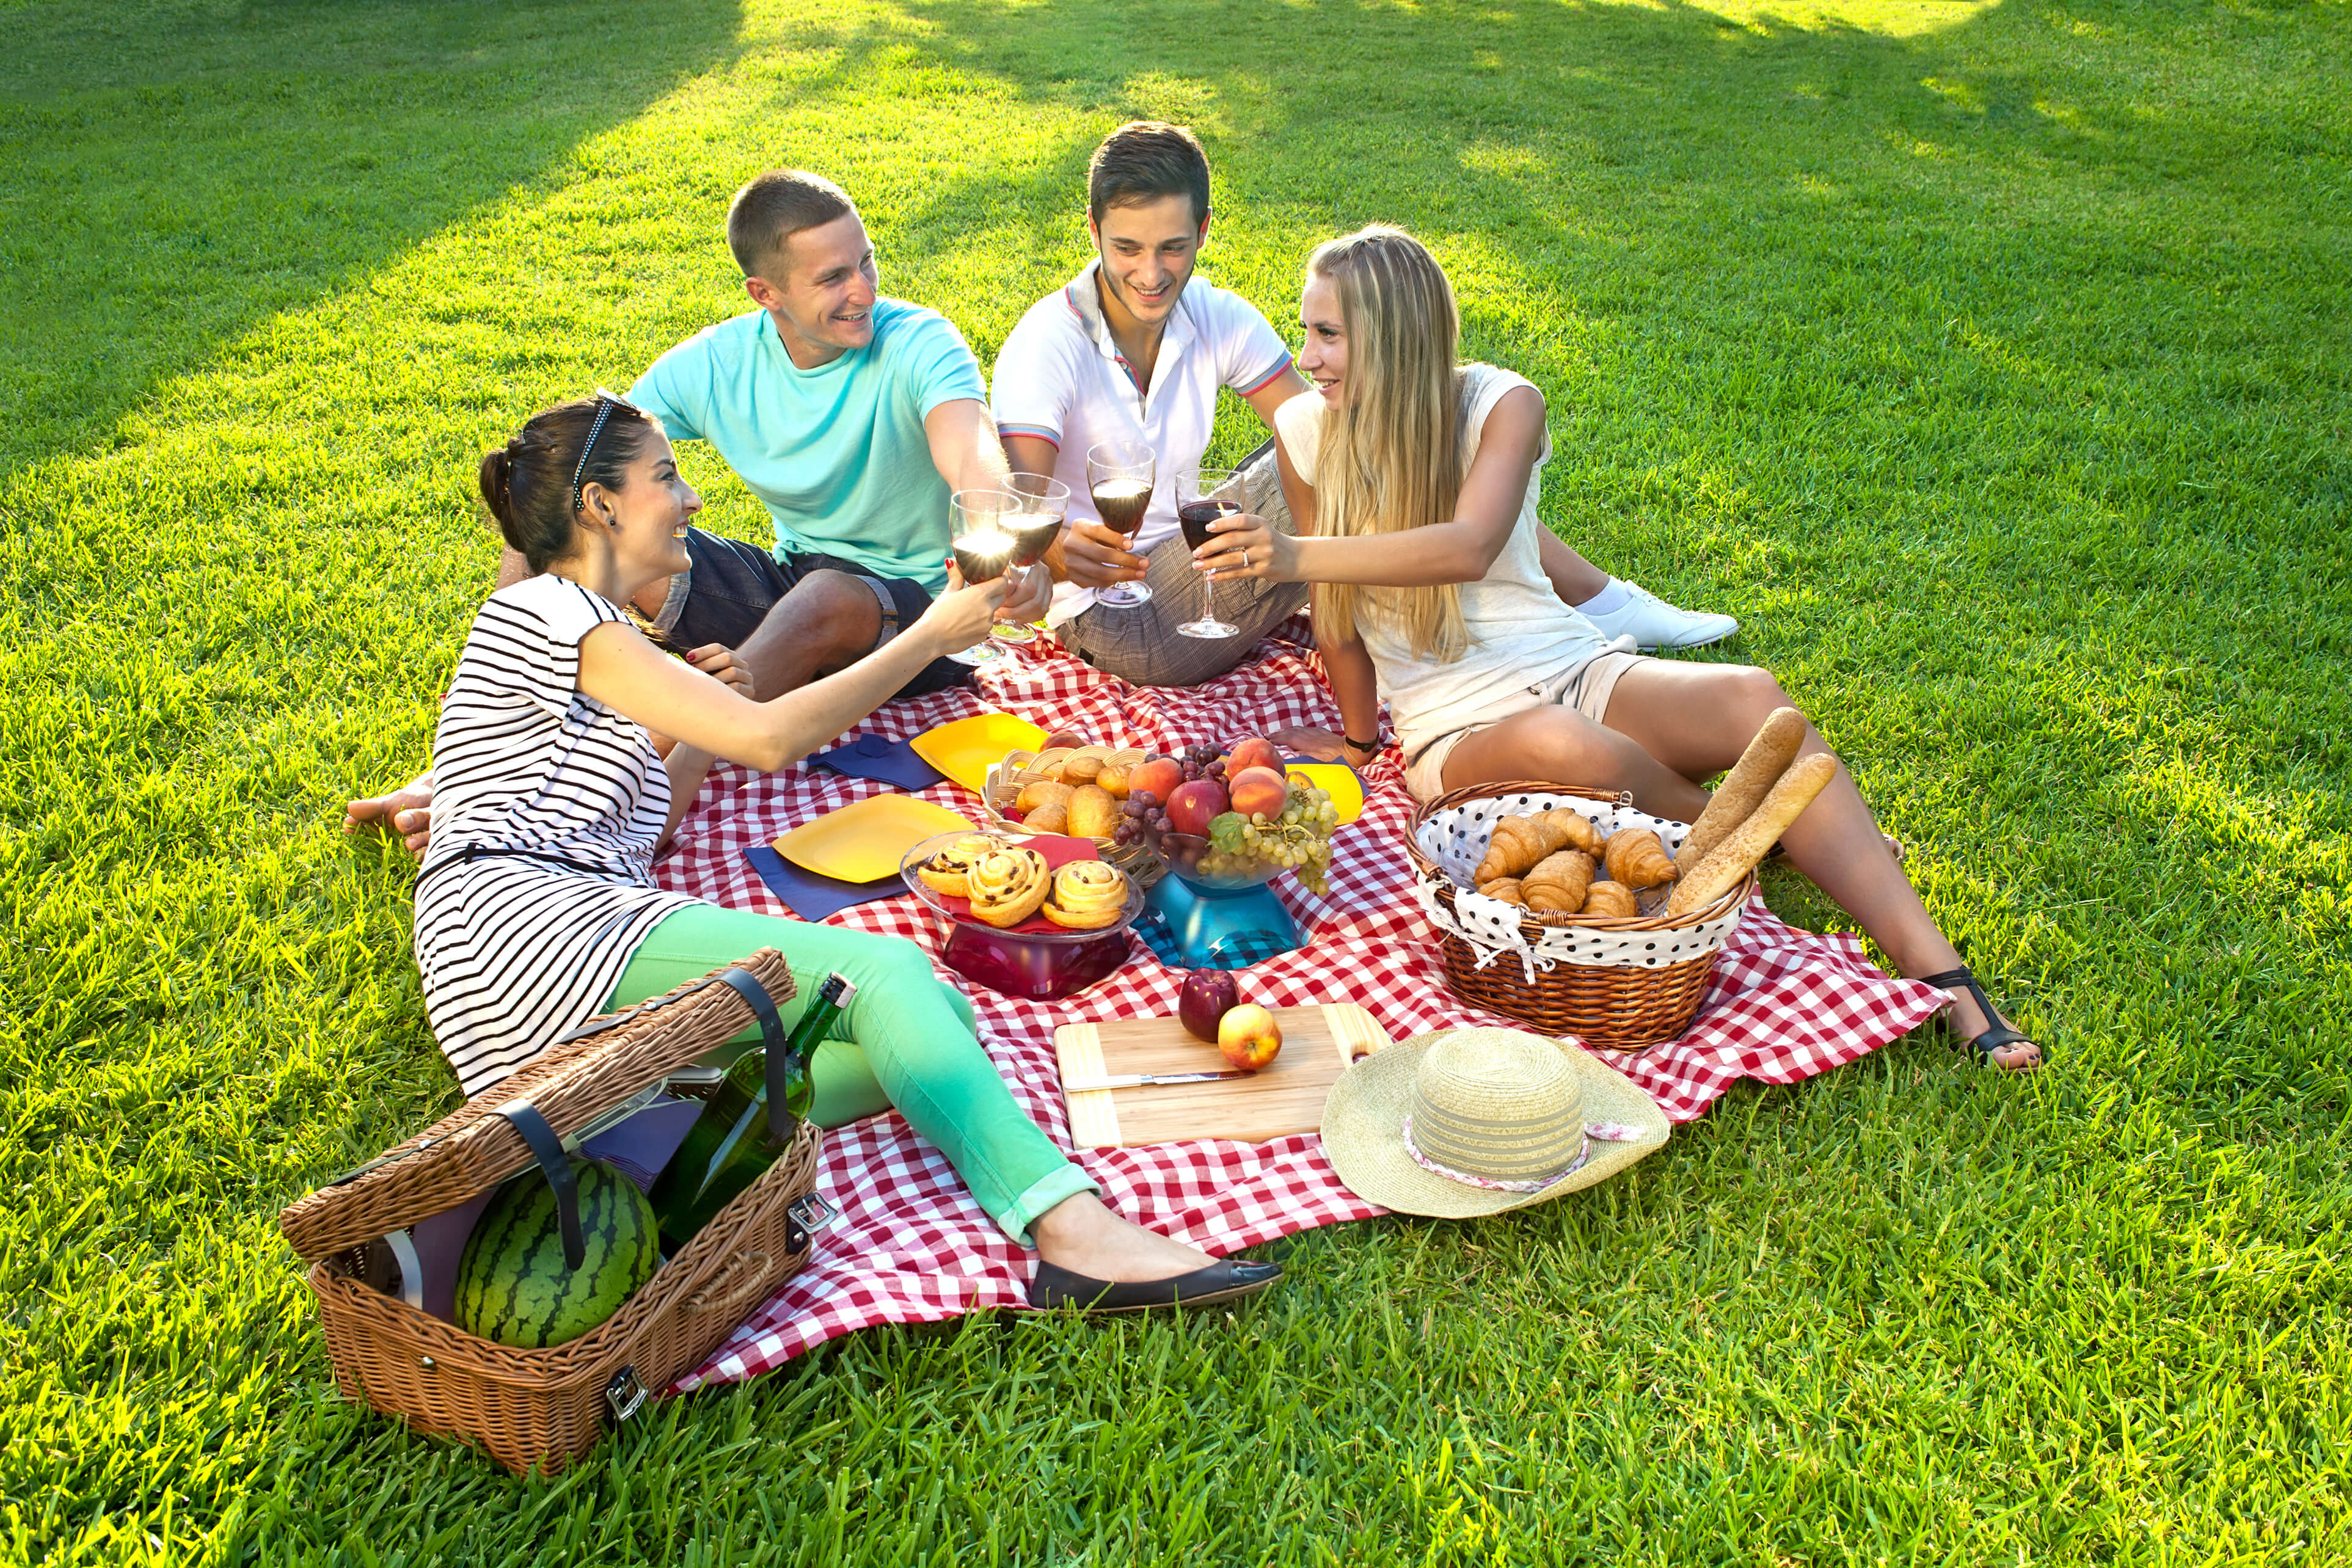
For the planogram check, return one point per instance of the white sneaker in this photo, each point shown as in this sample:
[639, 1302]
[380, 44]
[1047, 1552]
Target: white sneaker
[1652, 622]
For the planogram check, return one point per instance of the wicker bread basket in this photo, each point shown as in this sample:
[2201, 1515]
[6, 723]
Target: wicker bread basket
[548, 1407]
[1005, 784]
[1624, 1006]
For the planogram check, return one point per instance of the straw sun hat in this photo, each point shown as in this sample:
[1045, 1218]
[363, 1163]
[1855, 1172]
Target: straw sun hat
[1477, 1121]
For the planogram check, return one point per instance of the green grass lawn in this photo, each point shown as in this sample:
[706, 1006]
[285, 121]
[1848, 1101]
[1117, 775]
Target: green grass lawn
[1991, 361]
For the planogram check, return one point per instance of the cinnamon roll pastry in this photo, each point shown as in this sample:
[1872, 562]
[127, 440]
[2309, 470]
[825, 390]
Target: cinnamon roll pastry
[1086, 896]
[950, 870]
[1006, 885]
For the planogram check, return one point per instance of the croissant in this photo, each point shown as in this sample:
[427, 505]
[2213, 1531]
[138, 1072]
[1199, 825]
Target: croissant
[1506, 888]
[1517, 844]
[1636, 858]
[1743, 788]
[1041, 793]
[948, 870]
[1558, 884]
[1582, 834]
[1007, 886]
[1092, 814]
[1086, 896]
[1610, 900]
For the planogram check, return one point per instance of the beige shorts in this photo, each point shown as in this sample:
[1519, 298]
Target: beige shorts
[1586, 688]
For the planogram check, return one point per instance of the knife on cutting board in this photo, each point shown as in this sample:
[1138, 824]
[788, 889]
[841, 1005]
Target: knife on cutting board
[1138, 1080]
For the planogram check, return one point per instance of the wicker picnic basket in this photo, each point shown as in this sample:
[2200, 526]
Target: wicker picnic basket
[1004, 783]
[548, 1407]
[1615, 984]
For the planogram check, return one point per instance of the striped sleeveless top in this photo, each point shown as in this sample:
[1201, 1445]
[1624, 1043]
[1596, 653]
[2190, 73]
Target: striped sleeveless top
[513, 950]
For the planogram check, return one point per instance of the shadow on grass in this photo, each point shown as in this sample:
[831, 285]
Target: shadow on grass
[196, 168]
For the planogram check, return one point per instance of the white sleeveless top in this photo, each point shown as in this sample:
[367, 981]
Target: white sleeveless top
[515, 951]
[1521, 636]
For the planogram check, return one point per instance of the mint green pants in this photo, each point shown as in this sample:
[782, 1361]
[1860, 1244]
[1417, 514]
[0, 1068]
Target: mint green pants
[906, 1040]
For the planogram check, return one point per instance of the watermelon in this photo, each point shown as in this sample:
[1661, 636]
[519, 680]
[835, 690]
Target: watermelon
[512, 1285]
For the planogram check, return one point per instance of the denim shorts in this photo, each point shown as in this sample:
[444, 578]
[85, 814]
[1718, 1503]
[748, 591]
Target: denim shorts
[731, 586]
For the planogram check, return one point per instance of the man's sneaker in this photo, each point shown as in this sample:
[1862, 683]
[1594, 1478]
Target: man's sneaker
[1652, 622]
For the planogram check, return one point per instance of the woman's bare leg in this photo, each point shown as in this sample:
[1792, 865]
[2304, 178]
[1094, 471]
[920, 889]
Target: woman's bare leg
[1670, 723]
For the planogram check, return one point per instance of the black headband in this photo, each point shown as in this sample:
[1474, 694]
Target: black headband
[606, 404]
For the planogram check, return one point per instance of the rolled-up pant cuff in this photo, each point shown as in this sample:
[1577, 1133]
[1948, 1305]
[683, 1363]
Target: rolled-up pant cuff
[1067, 1182]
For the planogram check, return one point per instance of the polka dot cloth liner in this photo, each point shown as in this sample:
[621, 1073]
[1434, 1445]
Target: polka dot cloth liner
[1456, 840]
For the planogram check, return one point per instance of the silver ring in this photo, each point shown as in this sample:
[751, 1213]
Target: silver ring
[1244, 559]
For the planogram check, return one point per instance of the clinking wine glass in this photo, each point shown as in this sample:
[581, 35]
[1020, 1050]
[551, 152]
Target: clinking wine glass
[1203, 496]
[982, 550]
[1033, 519]
[1119, 477]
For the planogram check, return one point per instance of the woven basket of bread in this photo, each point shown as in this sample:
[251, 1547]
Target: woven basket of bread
[1043, 791]
[546, 1408]
[1615, 981]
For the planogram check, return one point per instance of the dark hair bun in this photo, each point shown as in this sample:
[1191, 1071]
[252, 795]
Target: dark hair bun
[527, 482]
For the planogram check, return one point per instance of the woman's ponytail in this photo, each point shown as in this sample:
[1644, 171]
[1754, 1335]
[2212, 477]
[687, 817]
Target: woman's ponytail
[528, 485]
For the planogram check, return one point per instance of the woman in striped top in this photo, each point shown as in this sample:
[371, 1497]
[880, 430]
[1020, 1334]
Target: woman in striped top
[537, 909]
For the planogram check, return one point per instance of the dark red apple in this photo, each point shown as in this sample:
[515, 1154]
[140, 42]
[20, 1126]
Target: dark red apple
[1195, 805]
[1208, 995]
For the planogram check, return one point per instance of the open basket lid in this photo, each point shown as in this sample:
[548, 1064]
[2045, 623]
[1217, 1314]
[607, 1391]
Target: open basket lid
[583, 1074]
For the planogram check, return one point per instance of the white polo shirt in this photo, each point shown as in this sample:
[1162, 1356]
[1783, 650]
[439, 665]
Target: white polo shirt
[1060, 377]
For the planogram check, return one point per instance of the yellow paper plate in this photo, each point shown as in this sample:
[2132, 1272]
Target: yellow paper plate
[865, 842]
[966, 750]
[1347, 789]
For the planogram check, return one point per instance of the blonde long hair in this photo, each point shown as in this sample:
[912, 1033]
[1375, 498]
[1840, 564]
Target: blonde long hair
[1391, 453]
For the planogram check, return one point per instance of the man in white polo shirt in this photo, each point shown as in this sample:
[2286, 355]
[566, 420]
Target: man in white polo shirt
[1135, 347]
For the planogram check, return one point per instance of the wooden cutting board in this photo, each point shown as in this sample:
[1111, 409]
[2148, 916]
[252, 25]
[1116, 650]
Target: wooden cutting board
[1286, 1096]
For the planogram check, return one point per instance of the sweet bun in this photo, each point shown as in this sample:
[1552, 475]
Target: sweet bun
[1092, 813]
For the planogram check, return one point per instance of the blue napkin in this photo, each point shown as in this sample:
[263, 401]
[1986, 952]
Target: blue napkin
[811, 896]
[871, 756]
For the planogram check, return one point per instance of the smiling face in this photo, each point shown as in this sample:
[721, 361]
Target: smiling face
[1323, 350]
[822, 297]
[1149, 250]
[644, 517]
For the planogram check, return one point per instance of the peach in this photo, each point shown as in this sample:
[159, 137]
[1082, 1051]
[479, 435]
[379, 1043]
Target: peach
[1157, 777]
[1254, 752]
[1257, 791]
[1249, 1036]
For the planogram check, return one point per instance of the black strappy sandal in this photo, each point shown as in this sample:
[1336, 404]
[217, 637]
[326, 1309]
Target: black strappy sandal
[1999, 1036]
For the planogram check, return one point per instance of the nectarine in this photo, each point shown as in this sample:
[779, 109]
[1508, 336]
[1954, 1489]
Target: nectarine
[1258, 791]
[1254, 752]
[1157, 777]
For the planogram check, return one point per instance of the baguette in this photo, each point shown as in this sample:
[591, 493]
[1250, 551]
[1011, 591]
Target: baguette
[1744, 788]
[1737, 855]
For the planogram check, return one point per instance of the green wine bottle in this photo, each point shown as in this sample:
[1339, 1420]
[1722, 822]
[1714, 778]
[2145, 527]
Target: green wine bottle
[731, 1142]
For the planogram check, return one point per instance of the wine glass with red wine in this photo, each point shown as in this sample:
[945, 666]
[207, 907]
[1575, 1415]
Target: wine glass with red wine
[1202, 496]
[1119, 477]
[1039, 503]
[982, 550]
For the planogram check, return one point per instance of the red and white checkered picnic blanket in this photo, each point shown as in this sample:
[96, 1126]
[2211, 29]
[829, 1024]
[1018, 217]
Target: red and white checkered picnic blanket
[912, 1247]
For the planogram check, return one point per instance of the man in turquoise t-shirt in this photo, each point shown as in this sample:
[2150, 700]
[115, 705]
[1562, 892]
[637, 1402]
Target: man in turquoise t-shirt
[853, 417]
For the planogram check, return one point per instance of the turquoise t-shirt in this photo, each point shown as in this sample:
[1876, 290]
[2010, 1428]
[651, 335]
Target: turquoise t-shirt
[837, 452]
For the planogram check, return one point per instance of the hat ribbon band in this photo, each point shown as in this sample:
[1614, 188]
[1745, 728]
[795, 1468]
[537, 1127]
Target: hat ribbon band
[1608, 1131]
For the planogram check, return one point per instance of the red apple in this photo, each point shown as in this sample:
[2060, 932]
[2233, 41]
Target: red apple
[1254, 752]
[1157, 777]
[1259, 792]
[1207, 997]
[1249, 1036]
[1193, 806]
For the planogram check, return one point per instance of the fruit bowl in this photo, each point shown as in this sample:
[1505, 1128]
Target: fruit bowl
[1184, 855]
[1034, 966]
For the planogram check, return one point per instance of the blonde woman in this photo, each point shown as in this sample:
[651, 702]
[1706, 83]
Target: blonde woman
[1428, 562]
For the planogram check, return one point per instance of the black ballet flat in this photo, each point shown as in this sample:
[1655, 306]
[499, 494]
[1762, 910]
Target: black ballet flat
[1221, 1281]
[1999, 1037]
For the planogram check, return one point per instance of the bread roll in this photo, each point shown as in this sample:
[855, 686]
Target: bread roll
[1636, 857]
[1556, 885]
[1042, 792]
[1092, 814]
[1744, 788]
[1736, 856]
[1051, 818]
[1612, 900]
[1114, 779]
[1082, 770]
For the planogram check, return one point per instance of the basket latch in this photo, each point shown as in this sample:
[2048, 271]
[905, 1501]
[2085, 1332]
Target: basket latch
[625, 1393]
[771, 1039]
[807, 1213]
[556, 1165]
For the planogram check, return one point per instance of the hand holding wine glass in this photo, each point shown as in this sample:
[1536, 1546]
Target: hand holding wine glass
[1206, 497]
[1033, 521]
[1244, 546]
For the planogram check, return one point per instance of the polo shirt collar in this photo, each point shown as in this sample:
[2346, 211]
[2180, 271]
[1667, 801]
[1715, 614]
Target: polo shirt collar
[1083, 294]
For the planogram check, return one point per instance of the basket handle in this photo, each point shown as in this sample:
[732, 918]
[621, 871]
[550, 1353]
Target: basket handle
[754, 1268]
